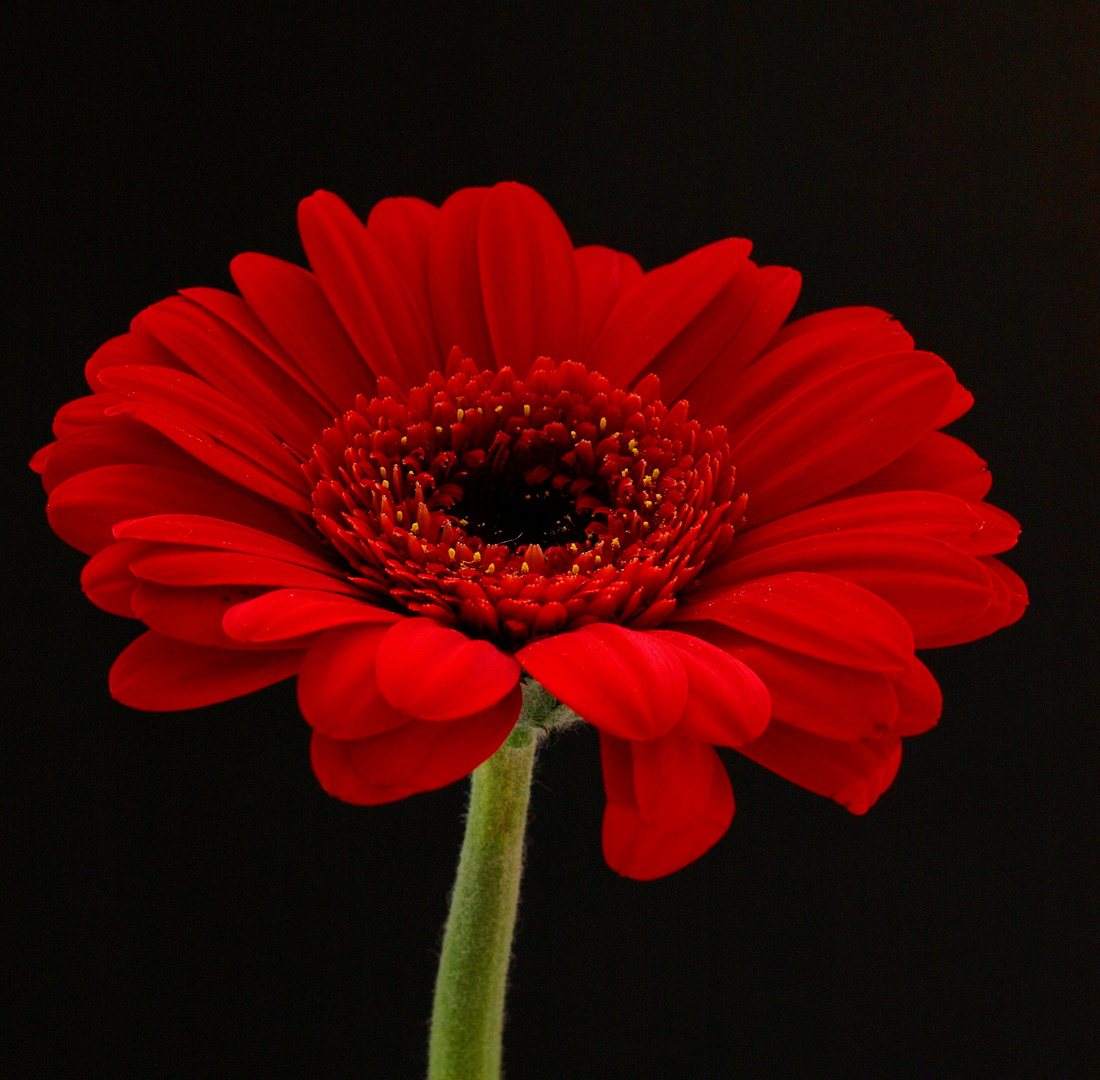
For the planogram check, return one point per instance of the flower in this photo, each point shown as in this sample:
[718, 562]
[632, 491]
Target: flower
[460, 453]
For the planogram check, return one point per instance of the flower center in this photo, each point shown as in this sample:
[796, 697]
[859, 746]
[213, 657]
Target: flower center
[518, 508]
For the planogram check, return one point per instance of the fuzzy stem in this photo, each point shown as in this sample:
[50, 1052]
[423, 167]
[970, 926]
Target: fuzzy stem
[468, 1011]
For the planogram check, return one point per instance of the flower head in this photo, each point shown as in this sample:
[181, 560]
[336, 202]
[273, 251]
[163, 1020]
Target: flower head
[460, 454]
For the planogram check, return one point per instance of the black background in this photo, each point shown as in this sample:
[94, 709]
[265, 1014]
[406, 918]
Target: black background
[187, 901]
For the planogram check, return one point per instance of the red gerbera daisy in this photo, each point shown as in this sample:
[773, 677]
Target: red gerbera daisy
[461, 457]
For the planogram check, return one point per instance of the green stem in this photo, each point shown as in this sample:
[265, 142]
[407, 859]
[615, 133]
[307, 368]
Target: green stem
[468, 1011]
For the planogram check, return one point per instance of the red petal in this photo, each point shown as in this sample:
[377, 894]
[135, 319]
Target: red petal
[193, 615]
[853, 774]
[194, 530]
[863, 317]
[921, 513]
[920, 701]
[119, 440]
[1009, 601]
[160, 674]
[211, 428]
[290, 302]
[998, 533]
[778, 291]
[697, 346]
[800, 360]
[291, 613]
[653, 311]
[454, 278]
[727, 703]
[337, 688]
[646, 849]
[84, 509]
[603, 275]
[181, 565]
[221, 356]
[934, 586]
[403, 229]
[528, 278]
[625, 682]
[365, 289]
[814, 614]
[819, 439]
[828, 699]
[419, 756]
[937, 462]
[960, 403]
[106, 578]
[137, 347]
[83, 412]
[435, 673]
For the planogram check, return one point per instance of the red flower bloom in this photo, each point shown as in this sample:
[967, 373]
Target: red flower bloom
[460, 450]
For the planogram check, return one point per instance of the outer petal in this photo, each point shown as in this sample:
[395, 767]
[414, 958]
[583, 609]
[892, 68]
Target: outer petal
[815, 614]
[137, 347]
[193, 615]
[677, 774]
[434, 673]
[338, 689]
[658, 307]
[417, 756]
[827, 699]
[937, 462]
[778, 290]
[1009, 601]
[603, 275]
[160, 674]
[292, 305]
[291, 613]
[727, 703]
[819, 439]
[454, 278]
[403, 228]
[920, 701]
[528, 278]
[365, 289]
[107, 580]
[84, 509]
[625, 682]
[853, 774]
[933, 585]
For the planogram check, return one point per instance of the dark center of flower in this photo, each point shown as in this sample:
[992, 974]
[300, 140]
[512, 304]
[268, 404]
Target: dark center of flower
[518, 508]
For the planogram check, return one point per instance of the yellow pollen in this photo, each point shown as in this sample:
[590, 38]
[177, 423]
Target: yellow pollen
[451, 553]
[572, 434]
[598, 560]
[631, 445]
[615, 542]
[603, 423]
[400, 516]
[461, 414]
[490, 568]
[656, 473]
[382, 469]
[404, 441]
[415, 527]
[526, 410]
[438, 430]
[499, 408]
[576, 569]
[463, 522]
[477, 556]
[385, 483]
[524, 568]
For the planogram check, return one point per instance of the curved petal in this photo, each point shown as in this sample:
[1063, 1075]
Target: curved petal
[219, 354]
[676, 774]
[821, 438]
[830, 700]
[778, 290]
[853, 774]
[814, 614]
[83, 412]
[435, 673]
[736, 396]
[159, 674]
[920, 701]
[960, 404]
[418, 756]
[338, 689]
[106, 578]
[290, 302]
[727, 703]
[659, 306]
[292, 613]
[1008, 604]
[603, 275]
[403, 228]
[937, 462]
[193, 615]
[624, 682]
[934, 586]
[84, 509]
[454, 278]
[365, 289]
[528, 278]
